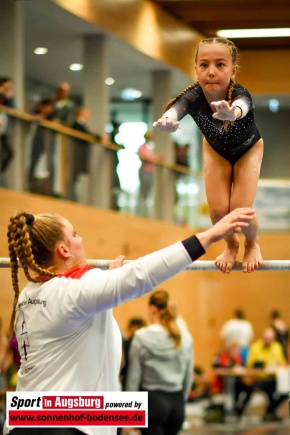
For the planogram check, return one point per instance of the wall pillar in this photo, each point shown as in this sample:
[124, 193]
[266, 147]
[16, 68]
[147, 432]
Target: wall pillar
[164, 181]
[96, 99]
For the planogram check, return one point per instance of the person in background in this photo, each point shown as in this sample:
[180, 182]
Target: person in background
[238, 330]
[265, 353]
[7, 98]
[3, 347]
[161, 362]
[228, 357]
[200, 388]
[182, 155]
[146, 171]
[74, 341]
[134, 324]
[41, 148]
[81, 155]
[116, 185]
[181, 159]
[281, 332]
[64, 106]
[10, 362]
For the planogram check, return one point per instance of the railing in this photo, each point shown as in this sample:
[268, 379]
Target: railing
[96, 188]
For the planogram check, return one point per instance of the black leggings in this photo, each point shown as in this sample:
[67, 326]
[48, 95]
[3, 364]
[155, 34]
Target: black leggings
[165, 413]
[46, 431]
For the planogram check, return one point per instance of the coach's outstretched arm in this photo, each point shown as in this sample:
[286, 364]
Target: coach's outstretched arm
[229, 224]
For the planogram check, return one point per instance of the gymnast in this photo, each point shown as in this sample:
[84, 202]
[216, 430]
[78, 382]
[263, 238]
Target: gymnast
[67, 336]
[232, 144]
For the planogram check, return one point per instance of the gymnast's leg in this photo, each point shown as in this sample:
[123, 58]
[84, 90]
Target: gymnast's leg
[246, 176]
[218, 174]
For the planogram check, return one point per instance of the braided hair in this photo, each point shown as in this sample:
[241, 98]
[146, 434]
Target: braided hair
[235, 58]
[31, 243]
[168, 314]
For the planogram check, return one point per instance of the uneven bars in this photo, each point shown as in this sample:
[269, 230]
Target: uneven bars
[203, 265]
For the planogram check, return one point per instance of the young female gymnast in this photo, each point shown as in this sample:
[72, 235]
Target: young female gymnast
[232, 144]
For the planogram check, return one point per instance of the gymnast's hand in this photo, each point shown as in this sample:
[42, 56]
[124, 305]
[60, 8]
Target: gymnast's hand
[117, 263]
[224, 111]
[166, 124]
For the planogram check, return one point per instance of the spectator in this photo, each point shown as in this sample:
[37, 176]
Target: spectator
[281, 331]
[10, 362]
[81, 155]
[64, 107]
[200, 388]
[161, 362]
[182, 155]
[7, 92]
[6, 152]
[3, 346]
[134, 324]
[41, 149]
[228, 357]
[63, 113]
[264, 353]
[238, 330]
[116, 185]
[182, 159]
[146, 171]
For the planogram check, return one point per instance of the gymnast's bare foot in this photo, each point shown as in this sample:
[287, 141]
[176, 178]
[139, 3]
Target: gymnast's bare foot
[227, 259]
[252, 257]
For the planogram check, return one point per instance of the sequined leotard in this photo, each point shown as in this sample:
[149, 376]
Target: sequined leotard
[231, 143]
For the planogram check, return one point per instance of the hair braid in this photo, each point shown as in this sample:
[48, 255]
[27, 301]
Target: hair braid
[21, 237]
[14, 272]
[173, 100]
[229, 100]
[27, 259]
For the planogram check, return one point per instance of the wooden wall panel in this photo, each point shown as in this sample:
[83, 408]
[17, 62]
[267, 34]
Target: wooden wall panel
[205, 299]
[265, 71]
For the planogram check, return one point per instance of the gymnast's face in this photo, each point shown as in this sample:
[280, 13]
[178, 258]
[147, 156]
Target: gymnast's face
[215, 69]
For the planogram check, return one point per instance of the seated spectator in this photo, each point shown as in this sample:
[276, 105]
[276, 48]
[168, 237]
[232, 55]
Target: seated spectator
[200, 388]
[264, 353]
[228, 357]
[238, 330]
[281, 331]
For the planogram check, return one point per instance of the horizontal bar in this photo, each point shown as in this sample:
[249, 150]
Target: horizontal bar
[204, 265]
